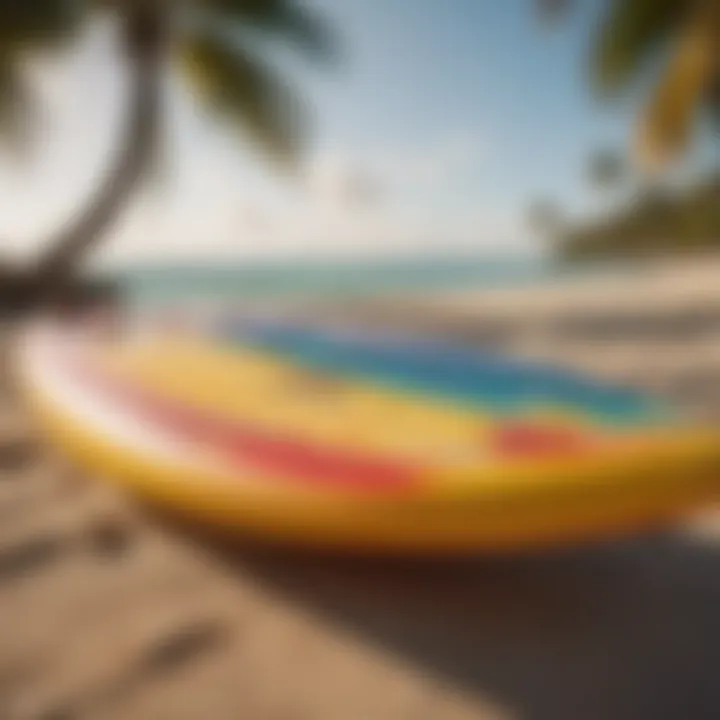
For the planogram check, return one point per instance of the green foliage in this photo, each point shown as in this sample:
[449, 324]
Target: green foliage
[685, 36]
[286, 19]
[227, 76]
[632, 32]
[246, 93]
[32, 24]
[656, 222]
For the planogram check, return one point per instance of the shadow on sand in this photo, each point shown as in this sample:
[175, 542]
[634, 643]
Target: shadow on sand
[627, 631]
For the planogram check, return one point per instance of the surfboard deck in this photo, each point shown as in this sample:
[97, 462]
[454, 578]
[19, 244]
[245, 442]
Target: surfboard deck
[321, 437]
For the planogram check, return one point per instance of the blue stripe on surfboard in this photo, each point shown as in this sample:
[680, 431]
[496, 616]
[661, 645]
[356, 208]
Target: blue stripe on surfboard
[468, 377]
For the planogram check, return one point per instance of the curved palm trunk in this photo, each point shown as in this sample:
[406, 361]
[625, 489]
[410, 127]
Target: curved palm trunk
[145, 46]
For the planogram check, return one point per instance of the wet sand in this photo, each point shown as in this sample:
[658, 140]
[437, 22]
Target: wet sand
[110, 611]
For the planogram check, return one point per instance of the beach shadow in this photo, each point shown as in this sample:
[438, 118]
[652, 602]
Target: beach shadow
[628, 631]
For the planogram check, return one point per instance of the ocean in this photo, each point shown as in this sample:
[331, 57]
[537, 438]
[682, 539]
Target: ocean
[227, 281]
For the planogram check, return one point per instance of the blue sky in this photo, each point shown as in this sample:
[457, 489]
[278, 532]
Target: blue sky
[459, 113]
[423, 70]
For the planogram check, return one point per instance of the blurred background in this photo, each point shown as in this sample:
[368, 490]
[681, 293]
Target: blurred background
[358, 134]
[538, 176]
[208, 151]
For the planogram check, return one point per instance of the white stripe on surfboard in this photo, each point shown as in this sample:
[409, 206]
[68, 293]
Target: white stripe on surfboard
[41, 356]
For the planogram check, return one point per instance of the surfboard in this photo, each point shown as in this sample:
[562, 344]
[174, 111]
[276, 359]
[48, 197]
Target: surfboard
[332, 437]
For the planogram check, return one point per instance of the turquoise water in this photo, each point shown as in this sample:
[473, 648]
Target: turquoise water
[226, 281]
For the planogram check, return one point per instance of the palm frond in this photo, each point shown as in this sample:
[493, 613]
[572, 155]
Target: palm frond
[666, 127]
[289, 20]
[247, 94]
[631, 31]
[31, 24]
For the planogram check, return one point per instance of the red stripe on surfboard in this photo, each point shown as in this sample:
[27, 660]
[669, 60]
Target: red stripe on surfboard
[245, 445]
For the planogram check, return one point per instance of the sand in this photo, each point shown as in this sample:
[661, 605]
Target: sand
[109, 611]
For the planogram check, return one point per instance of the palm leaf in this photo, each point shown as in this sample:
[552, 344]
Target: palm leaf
[286, 19]
[244, 92]
[665, 128]
[631, 31]
[30, 24]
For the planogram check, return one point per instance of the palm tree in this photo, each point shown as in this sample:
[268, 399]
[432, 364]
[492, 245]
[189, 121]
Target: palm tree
[635, 32]
[210, 39]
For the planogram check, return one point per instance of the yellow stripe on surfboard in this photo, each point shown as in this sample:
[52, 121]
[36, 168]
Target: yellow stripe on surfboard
[256, 388]
[263, 390]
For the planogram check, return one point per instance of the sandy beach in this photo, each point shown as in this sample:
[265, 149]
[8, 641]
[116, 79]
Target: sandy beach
[108, 611]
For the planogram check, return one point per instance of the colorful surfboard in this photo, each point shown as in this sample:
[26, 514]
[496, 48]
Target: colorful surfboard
[335, 438]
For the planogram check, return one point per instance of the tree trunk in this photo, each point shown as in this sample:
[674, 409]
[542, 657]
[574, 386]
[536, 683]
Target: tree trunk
[144, 35]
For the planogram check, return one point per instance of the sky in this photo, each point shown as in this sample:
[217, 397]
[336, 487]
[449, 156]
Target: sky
[455, 114]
